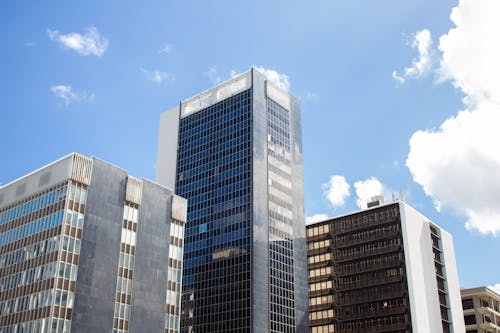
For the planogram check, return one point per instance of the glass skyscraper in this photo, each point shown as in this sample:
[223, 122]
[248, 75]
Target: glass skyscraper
[235, 153]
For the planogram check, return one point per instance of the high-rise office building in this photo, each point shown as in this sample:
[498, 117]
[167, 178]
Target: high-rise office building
[235, 153]
[84, 247]
[383, 269]
[481, 307]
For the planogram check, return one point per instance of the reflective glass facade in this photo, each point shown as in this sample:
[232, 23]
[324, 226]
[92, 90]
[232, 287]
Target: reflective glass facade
[214, 174]
[281, 277]
[239, 164]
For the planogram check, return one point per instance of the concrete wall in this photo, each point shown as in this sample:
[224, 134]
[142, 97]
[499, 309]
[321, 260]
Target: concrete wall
[151, 260]
[98, 265]
[100, 250]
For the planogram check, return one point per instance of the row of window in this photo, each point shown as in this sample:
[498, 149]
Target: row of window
[319, 258]
[319, 245]
[322, 329]
[33, 205]
[368, 248]
[224, 157]
[324, 314]
[29, 252]
[390, 321]
[321, 271]
[32, 228]
[319, 230]
[369, 218]
[327, 299]
[321, 285]
[221, 137]
[391, 259]
[27, 277]
[371, 307]
[42, 325]
[362, 235]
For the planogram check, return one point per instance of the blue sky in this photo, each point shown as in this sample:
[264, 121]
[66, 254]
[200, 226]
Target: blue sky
[94, 76]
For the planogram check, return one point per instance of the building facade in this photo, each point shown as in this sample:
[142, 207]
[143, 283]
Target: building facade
[84, 247]
[481, 310]
[383, 269]
[235, 153]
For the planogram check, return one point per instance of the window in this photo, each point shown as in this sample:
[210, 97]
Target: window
[467, 303]
[470, 319]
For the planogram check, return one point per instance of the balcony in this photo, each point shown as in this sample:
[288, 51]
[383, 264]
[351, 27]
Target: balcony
[322, 250]
[368, 267]
[376, 328]
[319, 237]
[320, 278]
[324, 321]
[321, 292]
[366, 253]
[344, 300]
[371, 238]
[368, 282]
[342, 317]
[318, 307]
[366, 224]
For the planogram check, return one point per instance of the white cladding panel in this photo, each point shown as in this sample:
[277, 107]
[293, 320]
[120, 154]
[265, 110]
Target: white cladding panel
[419, 260]
[166, 160]
[179, 208]
[133, 191]
[450, 266]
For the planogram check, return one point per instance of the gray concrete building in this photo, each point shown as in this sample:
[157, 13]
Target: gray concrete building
[85, 247]
[235, 152]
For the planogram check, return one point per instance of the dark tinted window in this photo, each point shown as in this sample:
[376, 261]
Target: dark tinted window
[470, 320]
[467, 303]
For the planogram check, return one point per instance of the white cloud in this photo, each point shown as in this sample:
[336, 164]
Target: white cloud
[166, 49]
[90, 43]
[69, 96]
[366, 189]
[213, 75]
[157, 76]
[458, 165]
[495, 288]
[423, 64]
[311, 96]
[316, 218]
[281, 80]
[233, 73]
[470, 52]
[336, 190]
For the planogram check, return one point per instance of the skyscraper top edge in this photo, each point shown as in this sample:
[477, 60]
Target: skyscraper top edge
[216, 94]
[17, 180]
[228, 88]
[399, 202]
[71, 166]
